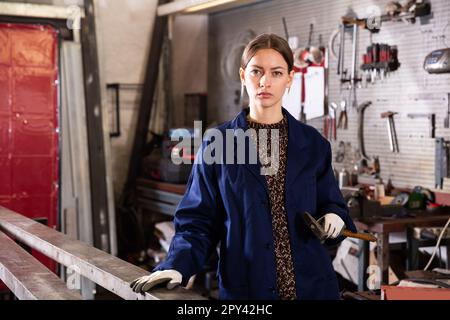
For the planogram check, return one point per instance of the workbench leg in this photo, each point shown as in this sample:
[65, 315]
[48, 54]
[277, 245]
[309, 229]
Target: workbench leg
[383, 256]
[412, 248]
[363, 264]
[142, 243]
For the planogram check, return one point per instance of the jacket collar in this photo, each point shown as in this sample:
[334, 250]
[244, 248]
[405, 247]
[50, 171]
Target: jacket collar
[297, 142]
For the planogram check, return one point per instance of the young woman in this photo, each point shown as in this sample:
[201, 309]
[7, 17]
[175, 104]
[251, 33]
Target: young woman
[266, 250]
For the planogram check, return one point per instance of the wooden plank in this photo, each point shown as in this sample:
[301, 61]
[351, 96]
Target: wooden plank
[38, 11]
[27, 278]
[104, 269]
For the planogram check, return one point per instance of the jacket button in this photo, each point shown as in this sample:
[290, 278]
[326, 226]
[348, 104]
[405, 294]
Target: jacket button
[272, 290]
[268, 245]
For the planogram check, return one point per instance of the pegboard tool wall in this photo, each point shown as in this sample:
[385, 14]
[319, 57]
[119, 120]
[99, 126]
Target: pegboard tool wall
[410, 89]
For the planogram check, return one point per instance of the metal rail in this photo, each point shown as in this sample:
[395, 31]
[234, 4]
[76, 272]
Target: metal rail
[27, 277]
[98, 266]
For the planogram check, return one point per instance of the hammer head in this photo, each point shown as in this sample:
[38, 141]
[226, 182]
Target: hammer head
[315, 226]
[388, 114]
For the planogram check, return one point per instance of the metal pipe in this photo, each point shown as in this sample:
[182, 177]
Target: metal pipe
[104, 269]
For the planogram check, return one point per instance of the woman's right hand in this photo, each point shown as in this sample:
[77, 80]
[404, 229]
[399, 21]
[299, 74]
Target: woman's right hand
[145, 283]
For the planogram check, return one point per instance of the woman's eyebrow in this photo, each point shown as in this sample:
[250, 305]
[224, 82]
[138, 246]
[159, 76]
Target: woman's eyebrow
[274, 68]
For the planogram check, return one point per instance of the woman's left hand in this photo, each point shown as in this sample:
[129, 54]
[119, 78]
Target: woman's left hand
[333, 225]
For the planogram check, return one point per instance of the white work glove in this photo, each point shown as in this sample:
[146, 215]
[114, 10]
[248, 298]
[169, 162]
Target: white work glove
[145, 283]
[333, 225]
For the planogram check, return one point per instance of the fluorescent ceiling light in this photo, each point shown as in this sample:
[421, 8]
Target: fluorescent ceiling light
[207, 5]
[192, 6]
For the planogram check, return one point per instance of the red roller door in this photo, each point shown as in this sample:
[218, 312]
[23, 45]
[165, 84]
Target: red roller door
[29, 151]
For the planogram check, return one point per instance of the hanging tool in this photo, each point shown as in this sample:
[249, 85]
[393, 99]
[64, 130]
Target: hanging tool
[389, 115]
[300, 65]
[379, 60]
[302, 104]
[429, 116]
[340, 68]
[353, 80]
[330, 122]
[312, 54]
[316, 54]
[309, 55]
[383, 61]
[333, 108]
[366, 66]
[343, 118]
[361, 108]
[316, 227]
[325, 63]
[447, 118]
[441, 162]
[304, 58]
[286, 33]
[340, 154]
[374, 53]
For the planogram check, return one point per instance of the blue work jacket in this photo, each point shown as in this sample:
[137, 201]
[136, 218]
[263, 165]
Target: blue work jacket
[229, 204]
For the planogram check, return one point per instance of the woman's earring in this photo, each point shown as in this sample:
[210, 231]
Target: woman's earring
[242, 90]
[289, 90]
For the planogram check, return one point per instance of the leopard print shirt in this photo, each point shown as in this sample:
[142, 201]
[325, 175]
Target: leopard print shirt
[276, 184]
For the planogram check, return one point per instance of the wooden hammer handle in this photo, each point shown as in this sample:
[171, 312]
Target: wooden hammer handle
[362, 236]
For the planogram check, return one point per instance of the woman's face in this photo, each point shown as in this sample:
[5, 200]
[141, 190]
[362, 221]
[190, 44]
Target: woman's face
[266, 78]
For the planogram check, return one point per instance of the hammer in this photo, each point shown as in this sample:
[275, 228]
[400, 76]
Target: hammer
[389, 115]
[320, 233]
